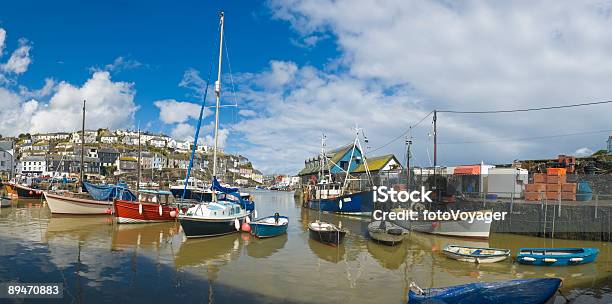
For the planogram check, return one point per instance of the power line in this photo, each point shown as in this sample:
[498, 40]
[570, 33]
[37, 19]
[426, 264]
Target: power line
[403, 133]
[526, 110]
[525, 138]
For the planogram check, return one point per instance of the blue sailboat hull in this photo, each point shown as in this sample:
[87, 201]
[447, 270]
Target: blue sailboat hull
[360, 203]
[529, 291]
[262, 230]
[556, 256]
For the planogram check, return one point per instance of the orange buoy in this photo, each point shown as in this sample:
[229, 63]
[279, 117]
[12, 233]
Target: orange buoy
[173, 213]
[246, 227]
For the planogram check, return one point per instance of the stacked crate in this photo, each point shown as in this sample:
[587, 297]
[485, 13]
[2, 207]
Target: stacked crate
[536, 190]
[568, 191]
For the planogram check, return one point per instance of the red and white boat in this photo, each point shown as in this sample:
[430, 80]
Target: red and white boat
[65, 202]
[153, 206]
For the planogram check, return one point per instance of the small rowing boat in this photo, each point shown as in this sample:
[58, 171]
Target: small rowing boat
[386, 232]
[556, 256]
[528, 291]
[326, 233]
[476, 254]
[269, 226]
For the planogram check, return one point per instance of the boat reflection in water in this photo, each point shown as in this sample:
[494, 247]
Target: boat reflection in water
[150, 236]
[389, 257]
[78, 227]
[263, 248]
[326, 252]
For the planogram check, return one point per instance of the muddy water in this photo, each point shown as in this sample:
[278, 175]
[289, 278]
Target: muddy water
[99, 261]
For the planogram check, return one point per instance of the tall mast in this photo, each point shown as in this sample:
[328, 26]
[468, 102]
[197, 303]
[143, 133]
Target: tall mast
[435, 152]
[139, 172]
[82, 145]
[218, 101]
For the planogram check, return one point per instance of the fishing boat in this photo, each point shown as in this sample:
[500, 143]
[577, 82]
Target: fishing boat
[222, 215]
[97, 199]
[386, 232]
[556, 256]
[323, 232]
[338, 197]
[269, 226]
[528, 291]
[153, 206]
[477, 255]
[10, 189]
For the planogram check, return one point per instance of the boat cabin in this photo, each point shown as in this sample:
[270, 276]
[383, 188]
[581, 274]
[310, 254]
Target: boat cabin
[155, 197]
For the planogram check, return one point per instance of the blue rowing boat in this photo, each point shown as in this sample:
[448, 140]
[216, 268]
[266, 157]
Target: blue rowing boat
[269, 226]
[556, 256]
[528, 291]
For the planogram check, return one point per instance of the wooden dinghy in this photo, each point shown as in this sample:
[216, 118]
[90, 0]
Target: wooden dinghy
[326, 233]
[386, 232]
[476, 254]
[556, 256]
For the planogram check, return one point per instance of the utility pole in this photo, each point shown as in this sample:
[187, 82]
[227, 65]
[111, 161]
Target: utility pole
[82, 169]
[408, 156]
[435, 148]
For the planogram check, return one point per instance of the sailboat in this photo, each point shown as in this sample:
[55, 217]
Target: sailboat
[228, 210]
[98, 200]
[323, 232]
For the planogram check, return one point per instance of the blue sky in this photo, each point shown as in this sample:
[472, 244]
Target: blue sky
[300, 68]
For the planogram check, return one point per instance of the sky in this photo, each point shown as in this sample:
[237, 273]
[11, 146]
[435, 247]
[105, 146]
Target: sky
[297, 69]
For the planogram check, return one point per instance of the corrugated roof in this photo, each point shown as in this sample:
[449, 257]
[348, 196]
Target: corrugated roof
[376, 163]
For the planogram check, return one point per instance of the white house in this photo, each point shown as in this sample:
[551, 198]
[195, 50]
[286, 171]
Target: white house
[60, 136]
[109, 139]
[90, 136]
[32, 166]
[183, 146]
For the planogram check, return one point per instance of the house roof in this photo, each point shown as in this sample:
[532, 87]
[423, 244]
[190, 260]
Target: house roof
[376, 163]
[336, 156]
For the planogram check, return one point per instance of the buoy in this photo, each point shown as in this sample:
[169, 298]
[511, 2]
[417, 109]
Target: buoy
[237, 224]
[140, 209]
[255, 213]
[160, 210]
[247, 219]
[549, 260]
[246, 227]
[340, 204]
[30, 192]
[173, 213]
[109, 211]
[529, 259]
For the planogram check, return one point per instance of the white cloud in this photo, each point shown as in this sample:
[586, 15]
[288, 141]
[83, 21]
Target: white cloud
[583, 152]
[247, 113]
[185, 131]
[121, 63]
[109, 104]
[49, 87]
[192, 80]
[2, 39]
[20, 59]
[172, 111]
[464, 55]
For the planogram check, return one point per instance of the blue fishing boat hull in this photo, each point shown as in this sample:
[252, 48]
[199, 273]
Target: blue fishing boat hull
[198, 228]
[528, 291]
[556, 256]
[360, 203]
[263, 230]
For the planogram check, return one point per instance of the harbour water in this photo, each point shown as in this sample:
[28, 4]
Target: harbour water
[99, 261]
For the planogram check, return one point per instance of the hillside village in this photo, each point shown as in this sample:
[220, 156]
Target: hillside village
[113, 154]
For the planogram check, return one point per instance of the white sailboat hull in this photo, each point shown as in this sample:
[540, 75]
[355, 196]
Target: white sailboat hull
[60, 204]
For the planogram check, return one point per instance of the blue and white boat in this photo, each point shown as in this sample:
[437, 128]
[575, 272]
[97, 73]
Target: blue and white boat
[269, 226]
[556, 256]
[359, 203]
[528, 291]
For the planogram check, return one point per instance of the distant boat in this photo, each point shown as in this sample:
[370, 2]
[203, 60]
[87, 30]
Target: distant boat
[386, 232]
[152, 206]
[528, 291]
[269, 226]
[476, 254]
[556, 256]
